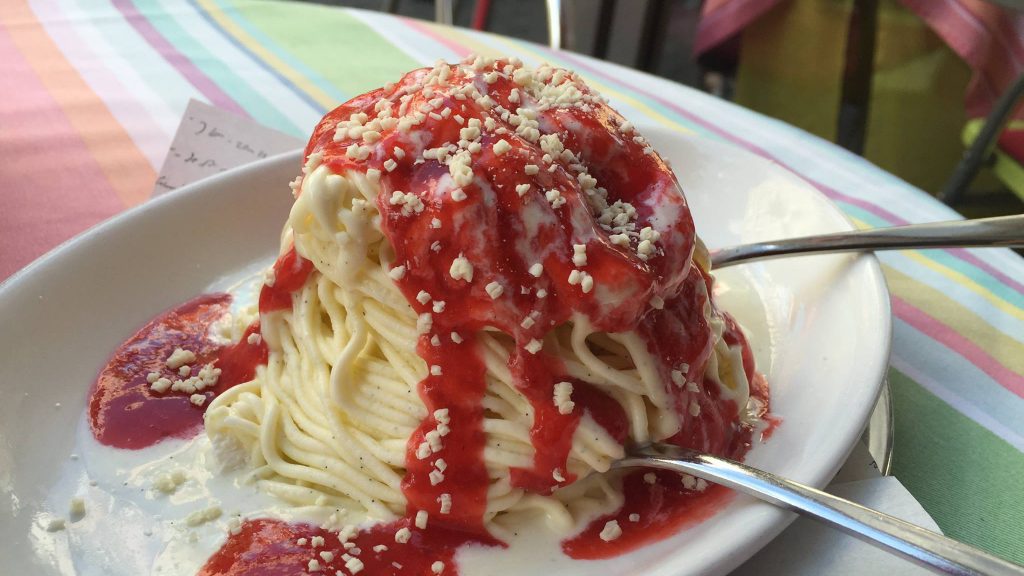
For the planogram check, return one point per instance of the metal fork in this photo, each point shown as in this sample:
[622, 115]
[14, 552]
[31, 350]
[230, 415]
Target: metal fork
[1001, 231]
[935, 551]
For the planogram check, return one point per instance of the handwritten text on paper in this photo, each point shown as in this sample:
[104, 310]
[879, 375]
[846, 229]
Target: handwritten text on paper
[210, 140]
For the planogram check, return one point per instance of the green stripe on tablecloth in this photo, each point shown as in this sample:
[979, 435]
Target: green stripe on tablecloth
[331, 42]
[292, 70]
[214, 67]
[969, 480]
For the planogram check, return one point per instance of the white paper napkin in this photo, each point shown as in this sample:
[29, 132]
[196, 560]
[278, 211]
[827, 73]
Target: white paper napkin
[810, 548]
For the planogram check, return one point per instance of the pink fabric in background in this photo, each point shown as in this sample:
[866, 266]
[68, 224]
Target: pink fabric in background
[723, 19]
[988, 37]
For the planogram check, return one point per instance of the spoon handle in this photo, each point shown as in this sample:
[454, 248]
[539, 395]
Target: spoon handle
[1001, 231]
[928, 549]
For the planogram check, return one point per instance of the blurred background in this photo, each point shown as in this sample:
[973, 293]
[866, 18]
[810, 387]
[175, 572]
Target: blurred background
[908, 84]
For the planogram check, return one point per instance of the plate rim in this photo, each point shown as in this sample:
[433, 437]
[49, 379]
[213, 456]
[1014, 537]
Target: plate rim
[771, 524]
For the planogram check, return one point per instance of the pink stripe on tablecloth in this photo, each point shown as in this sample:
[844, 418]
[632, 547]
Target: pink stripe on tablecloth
[54, 187]
[871, 207]
[957, 343]
[175, 58]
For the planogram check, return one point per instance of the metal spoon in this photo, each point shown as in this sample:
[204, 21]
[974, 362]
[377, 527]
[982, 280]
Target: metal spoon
[1001, 231]
[923, 547]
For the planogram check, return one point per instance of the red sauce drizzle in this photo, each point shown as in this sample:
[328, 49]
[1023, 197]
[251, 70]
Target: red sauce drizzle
[270, 548]
[290, 273]
[465, 475]
[554, 431]
[124, 412]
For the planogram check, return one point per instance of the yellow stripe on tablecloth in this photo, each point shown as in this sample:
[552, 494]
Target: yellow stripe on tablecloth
[956, 276]
[958, 318]
[266, 56]
[966, 282]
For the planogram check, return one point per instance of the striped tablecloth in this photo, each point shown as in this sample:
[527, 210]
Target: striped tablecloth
[91, 92]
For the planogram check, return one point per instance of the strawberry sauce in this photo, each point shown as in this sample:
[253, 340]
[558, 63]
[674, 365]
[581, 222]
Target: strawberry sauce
[125, 411]
[272, 548]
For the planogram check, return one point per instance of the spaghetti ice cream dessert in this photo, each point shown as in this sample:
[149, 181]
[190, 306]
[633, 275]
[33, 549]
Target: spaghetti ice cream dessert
[489, 285]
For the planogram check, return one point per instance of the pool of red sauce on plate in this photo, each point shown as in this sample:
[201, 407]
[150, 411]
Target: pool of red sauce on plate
[125, 413]
[484, 228]
[271, 548]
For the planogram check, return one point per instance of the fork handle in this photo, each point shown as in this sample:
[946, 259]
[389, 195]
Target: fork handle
[935, 551]
[1000, 231]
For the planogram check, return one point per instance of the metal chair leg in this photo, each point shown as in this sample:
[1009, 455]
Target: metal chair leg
[444, 12]
[605, 19]
[975, 156]
[652, 36]
[554, 9]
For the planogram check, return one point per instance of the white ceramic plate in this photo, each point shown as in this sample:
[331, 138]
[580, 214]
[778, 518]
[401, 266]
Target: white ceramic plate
[820, 326]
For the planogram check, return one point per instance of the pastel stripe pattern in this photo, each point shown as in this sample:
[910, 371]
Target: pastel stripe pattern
[105, 82]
